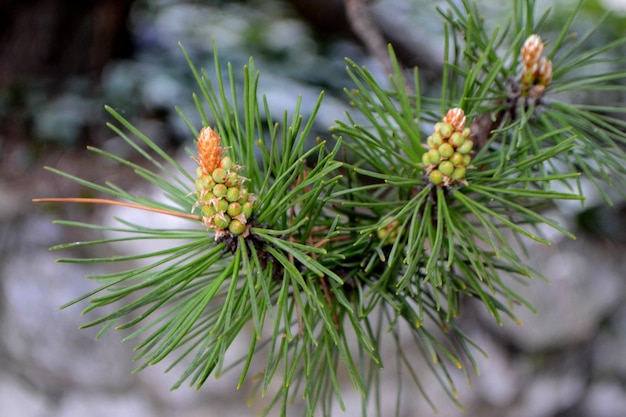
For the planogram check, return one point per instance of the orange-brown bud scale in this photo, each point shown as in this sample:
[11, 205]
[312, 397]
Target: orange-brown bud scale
[456, 117]
[209, 150]
[532, 50]
[536, 69]
[544, 72]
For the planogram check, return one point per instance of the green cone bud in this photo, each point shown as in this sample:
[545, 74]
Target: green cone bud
[466, 147]
[433, 156]
[243, 195]
[232, 194]
[220, 190]
[232, 180]
[207, 182]
[236, 227]
[388, 233]
[226, 163]
[436, 177]
[446, 150]
[456, 159]
[437, 139]
[222, 205]
[466, 132]
[456, 139]
[466, 160]
[208, 196]
[458, 173]
[446, 167]
[221, 220]
[234, 209]
[246, 209]
[208, 210]
[425, 159]
[446, 130]
[199, 172]
[219, 175]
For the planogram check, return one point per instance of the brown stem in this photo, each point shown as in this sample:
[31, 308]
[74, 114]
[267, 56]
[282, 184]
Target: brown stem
[366, 30]
[323, 282]
[117, 203]
[299, 316]
[364, 27]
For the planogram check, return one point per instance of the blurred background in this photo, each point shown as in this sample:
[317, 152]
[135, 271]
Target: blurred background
[62, 60]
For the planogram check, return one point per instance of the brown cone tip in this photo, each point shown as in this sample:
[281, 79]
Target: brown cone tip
[456, 117]
[209, 150]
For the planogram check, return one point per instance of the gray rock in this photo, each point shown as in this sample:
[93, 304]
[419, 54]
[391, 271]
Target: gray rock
[610, 346]
[19, 400]
[605, 399]
[549, 394]
[502, 376]
[43, 342]
[79, 403]
[586, 283]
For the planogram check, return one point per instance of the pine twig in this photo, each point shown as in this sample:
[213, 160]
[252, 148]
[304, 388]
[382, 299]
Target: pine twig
[117, 203]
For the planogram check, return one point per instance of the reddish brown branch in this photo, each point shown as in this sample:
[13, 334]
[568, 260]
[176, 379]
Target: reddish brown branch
[363, 25]
[117, 203]
[366, 29]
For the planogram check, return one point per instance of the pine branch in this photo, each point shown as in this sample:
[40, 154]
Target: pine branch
[430, 205]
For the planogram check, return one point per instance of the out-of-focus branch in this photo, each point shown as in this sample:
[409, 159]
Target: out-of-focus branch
[365, 29]
[330, 18]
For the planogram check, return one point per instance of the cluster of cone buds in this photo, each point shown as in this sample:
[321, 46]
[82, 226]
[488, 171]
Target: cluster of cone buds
[389, 233]
[449, 148]
[225, 203]
[536, 69]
